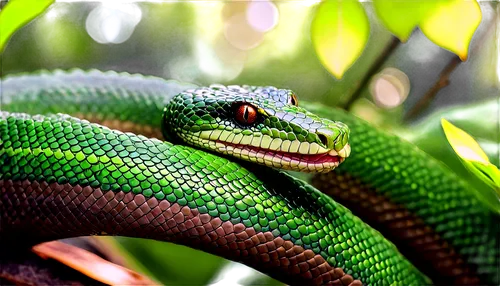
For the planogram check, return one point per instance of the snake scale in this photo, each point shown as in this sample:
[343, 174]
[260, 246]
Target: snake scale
[63, 176]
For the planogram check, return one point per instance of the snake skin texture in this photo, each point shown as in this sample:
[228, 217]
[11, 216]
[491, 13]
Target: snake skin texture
[63, 177]
[391, 171]
[281, 134]
[416, 240]
[415, 201]
[100, 95]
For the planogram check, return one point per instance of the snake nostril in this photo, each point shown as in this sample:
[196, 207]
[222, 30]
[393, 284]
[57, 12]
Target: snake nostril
[323, 139]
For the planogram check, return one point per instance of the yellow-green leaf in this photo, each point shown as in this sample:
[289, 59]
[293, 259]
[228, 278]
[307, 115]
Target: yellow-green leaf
[489, 173]
[16, 14]
[475, 160]
[451, 25]
[463, 144]
[339, 32]
[401, 17]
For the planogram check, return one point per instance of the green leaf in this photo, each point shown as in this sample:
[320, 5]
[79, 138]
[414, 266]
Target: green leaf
[16, 14]
[491, 149]
[401, 17]
[452, 24]
[475, 160]
[339, 32]
[489, 173]
[488, 196]
[480, 120]
[463, 144]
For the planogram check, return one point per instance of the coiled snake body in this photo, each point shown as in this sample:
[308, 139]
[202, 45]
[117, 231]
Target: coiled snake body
[61, 176]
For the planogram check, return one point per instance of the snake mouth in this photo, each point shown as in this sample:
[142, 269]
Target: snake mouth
[323, 162]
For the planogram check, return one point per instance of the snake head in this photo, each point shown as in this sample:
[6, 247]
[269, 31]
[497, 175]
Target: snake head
[264, 125]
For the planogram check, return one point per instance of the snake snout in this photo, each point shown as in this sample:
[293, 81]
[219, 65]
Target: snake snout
[335, 138]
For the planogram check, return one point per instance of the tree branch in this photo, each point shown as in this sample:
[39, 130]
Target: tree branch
[443, 79]
[390, 48]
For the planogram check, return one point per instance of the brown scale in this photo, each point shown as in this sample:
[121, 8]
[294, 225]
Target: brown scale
[417, 241]
[54, 211]
[124, 126]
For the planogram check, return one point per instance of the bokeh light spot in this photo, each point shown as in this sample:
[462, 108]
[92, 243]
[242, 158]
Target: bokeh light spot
[390, 88]
[227, 53]
[262, 15]
[111, 23]
[240, 34]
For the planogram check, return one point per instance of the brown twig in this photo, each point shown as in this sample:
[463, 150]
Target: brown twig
[443, 79]
[388, 50]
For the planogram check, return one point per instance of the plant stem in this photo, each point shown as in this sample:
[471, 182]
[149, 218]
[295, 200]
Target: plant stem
[443, 79]
[392, 45]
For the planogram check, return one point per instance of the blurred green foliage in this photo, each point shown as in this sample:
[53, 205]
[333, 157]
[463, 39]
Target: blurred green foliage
[17, 14]
[172, 264]
[402, 17]
[452, 24]
[173, 38]
[481, 121]
[339, 33]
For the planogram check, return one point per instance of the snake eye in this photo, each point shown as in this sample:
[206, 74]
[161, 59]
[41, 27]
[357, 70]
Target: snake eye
[294, 100]
[246, 114]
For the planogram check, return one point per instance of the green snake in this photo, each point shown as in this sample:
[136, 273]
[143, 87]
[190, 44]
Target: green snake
[61, 176]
